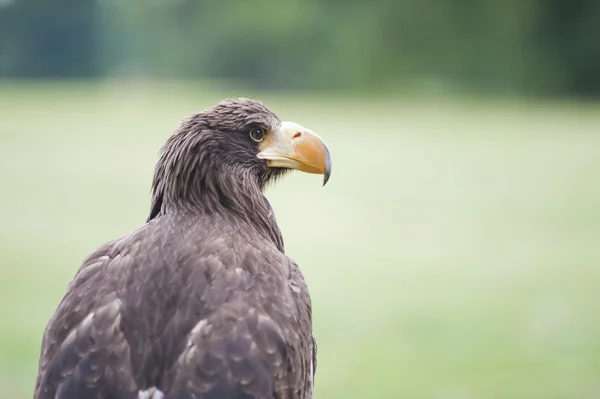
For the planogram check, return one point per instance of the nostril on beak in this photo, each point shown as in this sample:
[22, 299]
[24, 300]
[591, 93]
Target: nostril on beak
[297, 135]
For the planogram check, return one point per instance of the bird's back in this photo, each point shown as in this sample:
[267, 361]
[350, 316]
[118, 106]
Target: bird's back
[183, 307]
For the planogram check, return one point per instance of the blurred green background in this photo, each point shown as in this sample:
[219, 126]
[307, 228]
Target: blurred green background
[454, 252]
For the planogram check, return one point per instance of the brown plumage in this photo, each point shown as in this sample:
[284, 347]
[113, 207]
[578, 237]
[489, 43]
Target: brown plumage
[201, 301]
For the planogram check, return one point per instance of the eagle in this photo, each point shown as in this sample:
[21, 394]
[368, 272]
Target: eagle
[201, 301]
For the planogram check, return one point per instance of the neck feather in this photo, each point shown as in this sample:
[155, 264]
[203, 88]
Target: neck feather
[199, 186]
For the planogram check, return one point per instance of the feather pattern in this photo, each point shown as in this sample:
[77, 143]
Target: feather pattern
[201, 301]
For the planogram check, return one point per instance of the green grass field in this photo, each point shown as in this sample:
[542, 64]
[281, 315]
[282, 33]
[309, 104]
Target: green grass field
[455, 252]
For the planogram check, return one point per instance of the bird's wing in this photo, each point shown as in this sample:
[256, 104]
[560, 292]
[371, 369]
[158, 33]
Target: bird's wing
[85, 353]
[192, 318]
[250, 347]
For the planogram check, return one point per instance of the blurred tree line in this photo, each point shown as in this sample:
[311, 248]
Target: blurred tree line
[535, 47]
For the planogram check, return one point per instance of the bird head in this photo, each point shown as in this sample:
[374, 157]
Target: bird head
[235, 144]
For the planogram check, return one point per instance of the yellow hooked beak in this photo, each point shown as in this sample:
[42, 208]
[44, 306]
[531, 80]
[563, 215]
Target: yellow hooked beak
[295, 147]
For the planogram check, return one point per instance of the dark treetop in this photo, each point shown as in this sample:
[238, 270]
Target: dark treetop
[201, 301]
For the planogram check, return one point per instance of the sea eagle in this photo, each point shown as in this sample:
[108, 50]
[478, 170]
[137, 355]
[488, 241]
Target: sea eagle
[201, 301]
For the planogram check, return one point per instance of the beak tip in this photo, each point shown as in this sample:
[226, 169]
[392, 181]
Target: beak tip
[327, 166]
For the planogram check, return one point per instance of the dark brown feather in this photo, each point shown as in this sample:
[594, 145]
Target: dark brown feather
[201, 301]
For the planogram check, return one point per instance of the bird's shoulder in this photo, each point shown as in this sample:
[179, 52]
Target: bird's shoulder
[137, 303]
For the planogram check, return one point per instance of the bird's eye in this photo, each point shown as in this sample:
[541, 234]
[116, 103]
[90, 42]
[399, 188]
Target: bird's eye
[257, 134]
